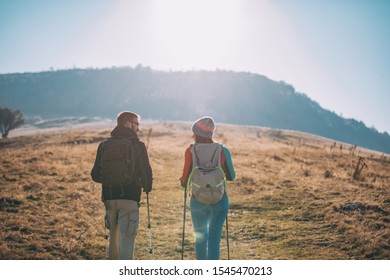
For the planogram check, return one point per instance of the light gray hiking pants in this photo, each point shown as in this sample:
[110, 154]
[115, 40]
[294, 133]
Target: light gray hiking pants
[122, 218]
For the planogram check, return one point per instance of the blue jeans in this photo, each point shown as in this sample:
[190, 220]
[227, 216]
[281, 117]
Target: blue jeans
[208, 222]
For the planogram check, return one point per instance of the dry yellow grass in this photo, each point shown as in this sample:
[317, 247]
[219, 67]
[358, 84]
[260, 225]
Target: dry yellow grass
[294, 197]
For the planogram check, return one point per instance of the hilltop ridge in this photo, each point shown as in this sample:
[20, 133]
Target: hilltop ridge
[230, 97]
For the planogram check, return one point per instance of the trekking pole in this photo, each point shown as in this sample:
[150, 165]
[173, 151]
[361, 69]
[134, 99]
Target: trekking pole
[106, 231]
[149, 227]
[106, 237]
[227, 236]
[184, 223]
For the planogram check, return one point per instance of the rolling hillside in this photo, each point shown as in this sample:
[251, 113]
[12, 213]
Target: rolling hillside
[230, 97]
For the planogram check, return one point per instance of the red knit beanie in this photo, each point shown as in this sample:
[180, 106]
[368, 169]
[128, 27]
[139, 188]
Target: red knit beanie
[204, 127]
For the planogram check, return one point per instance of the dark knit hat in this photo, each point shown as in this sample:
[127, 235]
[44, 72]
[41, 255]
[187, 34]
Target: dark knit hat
[204, 127]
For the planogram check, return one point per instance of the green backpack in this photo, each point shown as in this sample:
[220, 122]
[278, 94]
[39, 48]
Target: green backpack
[117, 162]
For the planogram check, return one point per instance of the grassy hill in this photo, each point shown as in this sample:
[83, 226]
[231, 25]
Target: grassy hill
[231, 97]
[296, 196]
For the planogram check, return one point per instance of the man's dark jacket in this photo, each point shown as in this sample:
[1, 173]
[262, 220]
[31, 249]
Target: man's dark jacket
[143, 170]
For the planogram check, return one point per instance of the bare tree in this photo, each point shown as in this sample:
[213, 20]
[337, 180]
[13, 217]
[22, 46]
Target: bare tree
[9, 120]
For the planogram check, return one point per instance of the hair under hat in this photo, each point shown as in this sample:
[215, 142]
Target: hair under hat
[204, 127]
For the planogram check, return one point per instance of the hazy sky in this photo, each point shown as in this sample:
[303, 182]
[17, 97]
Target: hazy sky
[335, 51]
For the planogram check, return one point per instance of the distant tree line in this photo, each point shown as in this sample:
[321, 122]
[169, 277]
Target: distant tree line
[231, 97]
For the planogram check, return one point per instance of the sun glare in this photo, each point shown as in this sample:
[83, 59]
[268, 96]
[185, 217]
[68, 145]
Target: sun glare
[196, 34]
[171, 34]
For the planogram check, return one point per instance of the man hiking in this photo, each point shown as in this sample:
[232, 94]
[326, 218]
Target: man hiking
[122, 167]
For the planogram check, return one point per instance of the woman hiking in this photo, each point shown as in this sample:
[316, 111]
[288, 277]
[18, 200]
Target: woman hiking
[207, 166]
